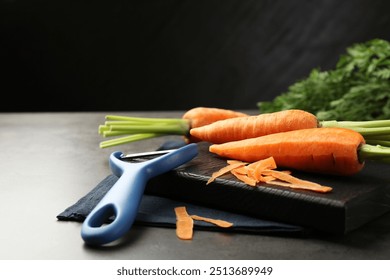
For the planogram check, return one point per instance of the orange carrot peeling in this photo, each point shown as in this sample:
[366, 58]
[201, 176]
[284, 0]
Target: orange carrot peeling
[220, 223]
[244, 178]
[263, 171]
[224, 170]
[184, 223]
[322, 150]
[294, 182]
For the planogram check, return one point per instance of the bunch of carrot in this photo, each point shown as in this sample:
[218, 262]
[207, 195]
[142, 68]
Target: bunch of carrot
[298, 140]
[217, 125]
[295, 138]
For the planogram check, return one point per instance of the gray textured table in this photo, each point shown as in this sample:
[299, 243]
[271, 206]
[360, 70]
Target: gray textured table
[50, 160]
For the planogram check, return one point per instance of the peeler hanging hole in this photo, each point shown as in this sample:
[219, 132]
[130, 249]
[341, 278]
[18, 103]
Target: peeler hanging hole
[103, 216]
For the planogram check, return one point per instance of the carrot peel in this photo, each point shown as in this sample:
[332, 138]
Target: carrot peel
[220, 223]
[184, 223]
[225, 170]
[293, 182]
[264, 171]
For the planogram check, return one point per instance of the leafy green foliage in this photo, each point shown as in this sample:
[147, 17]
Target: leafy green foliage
[357, 89]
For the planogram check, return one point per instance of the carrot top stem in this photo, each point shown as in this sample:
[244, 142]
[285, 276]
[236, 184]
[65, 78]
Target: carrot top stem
[384, 143]
[374, 152]
[137, 129]
[369, 129]
[128, 139]
[133, 125]
[143, 120]
[374, 123]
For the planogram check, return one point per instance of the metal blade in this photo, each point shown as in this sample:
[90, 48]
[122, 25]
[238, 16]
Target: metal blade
[147, 154]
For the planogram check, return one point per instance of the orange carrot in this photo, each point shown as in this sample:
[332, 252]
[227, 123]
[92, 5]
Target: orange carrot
[322, 150]
[254, 126]
[374, 132]
[134, 129]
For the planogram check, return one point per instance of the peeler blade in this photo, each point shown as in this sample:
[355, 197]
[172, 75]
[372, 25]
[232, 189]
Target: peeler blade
[146, 154]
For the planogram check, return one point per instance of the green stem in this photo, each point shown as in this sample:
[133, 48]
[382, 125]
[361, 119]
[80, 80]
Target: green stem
[374, 152]
[379, 137]
[377, 123]
[131, 129]
[127, 139]
[110, 133]
[370, 129]
[134, 125]
[383, 143]
[144, 120]
[140, 128]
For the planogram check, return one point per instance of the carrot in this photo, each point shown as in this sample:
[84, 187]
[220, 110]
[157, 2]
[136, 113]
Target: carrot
[137, 129]
[323, 150]
[264, 171]
[254, 126]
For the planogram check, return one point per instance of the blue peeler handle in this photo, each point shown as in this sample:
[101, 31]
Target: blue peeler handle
[123, 199]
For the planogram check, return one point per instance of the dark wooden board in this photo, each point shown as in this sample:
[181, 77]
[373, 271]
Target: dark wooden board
[353, 201]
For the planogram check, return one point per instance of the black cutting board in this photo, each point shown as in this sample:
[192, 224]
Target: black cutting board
[353, 201]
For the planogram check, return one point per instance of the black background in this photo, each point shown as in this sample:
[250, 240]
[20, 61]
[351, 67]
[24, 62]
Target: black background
[172, 54]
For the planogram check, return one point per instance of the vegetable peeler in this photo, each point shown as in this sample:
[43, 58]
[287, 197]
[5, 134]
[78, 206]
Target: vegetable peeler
[123, 199]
